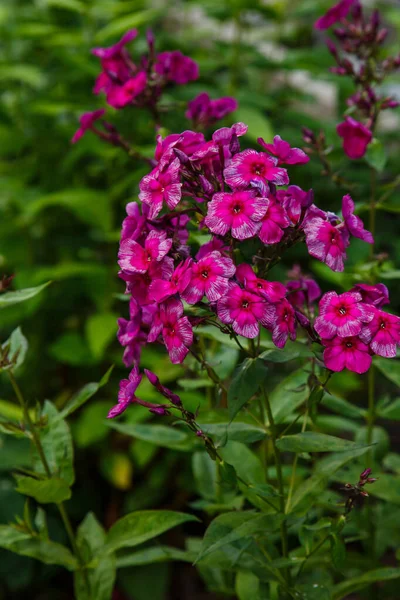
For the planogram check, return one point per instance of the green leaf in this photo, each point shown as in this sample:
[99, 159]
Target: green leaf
[338, 552]
[11, 298]
[101, 328]
[247, 586]
[84, 394]
[310, 441]
[233, 431]
[138, 527]
[376, 155]
[102, 572]
[342, 590]
[51, 553]
[283, 356]
[154, 555]
[161, 435]
[343, 407]
[389, 368]
[117, 27]
[246, 464]
[17, 345]
[205, 475]
[323, 472]
[259, 125]
[390, 411]
[89, 206]
[26, 74]
[230, 527]
[289, 394]
[57, 445]
[45, 491]
[246, 380]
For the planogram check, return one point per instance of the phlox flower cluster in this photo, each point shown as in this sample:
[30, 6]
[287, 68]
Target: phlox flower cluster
[212, 188]
[356, 52]
[125, 82]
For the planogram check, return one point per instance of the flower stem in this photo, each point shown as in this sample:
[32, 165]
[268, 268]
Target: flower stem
[278, 464]
[38, 445]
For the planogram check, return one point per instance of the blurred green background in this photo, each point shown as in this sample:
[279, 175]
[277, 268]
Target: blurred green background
[61, 207]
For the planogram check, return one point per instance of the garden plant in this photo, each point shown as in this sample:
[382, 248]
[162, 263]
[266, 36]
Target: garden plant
[245, 442]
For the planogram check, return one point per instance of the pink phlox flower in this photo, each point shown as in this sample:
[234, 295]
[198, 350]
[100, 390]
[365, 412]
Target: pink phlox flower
[273, 222]
[215, 243]
[302, 290]
[175, 329]
[176, 67]
[342, 315]
[354, 223]
[295, 201]
[244, 311]
[285, 154]
[126, 394]
[209, 277]
[327, 242]
[116, 49]
[347, 352]
[86, 122]
[335, 13]
[377, 295]
[254, 168]
[187, 141]
[138, 284]
[273, 291]
[161, 186]
[227, 139]
[161, 289]
[284, 325]
[382, 334]
[120, 95]
[133, 258]
[239, 212]
[202, 110]
[356, 137]
[134, 225]
[166, 392]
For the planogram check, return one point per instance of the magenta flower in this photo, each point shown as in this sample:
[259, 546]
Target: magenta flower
[377, 295]
[335, 13]
[133, 258]
[126, 394]
[284, 325]
[254, 168]
[214, 244]
[86, 121]
[239, 212]
[154, 380]
[138, 284]
[134, 225]
[120, 95]
[273, 222]
[285, 154]
[113, 51]
[175, 329]
[187, 141]
[244, 311]
[176, 67]
[161, 186]
[209, 277]
[295, 200]
[382, 334]
[160, 289]
[342, 315]
[273, 291]
[202, 110]
[354, 223]
[347, 352]
[302, 290]
[326, 242]
[356, 137]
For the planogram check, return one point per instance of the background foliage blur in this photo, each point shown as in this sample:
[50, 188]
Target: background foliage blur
[61, 207]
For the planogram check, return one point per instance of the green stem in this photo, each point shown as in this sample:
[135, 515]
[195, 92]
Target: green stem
[296, 457]
[278, 464]
[38, 445]
[372, 209]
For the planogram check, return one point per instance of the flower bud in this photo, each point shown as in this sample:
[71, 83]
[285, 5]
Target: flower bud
[365, 473]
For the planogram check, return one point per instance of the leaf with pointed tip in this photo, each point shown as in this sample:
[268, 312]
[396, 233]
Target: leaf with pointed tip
[17, 296]
[247, 378]
[45, 491]
[310, 441]
[84, 395]
[342, 590]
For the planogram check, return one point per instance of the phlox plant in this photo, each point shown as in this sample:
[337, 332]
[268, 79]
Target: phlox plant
[197, 254]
